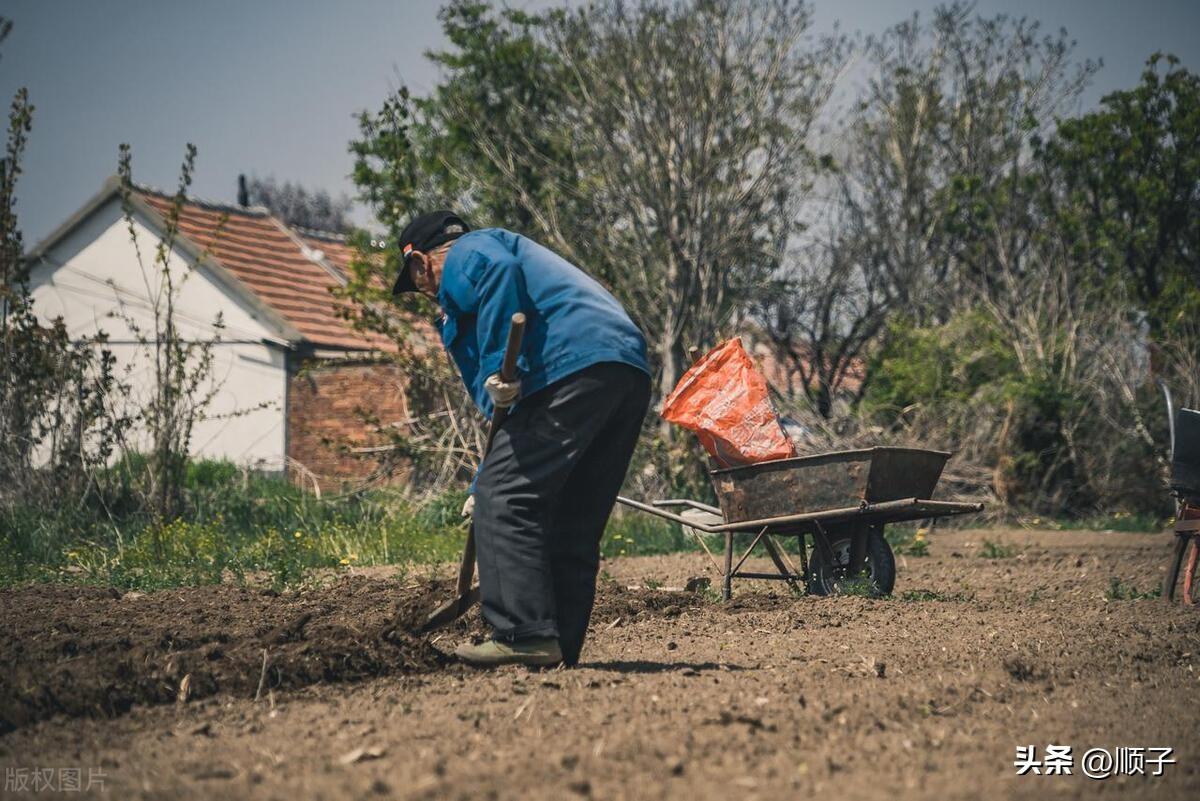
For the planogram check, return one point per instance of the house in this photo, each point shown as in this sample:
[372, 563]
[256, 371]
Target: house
[293, 385]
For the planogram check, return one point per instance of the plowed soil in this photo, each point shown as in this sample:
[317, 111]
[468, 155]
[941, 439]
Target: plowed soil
[925, 694]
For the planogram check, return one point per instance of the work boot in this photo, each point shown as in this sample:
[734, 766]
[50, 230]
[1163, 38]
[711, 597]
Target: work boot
[541, 652]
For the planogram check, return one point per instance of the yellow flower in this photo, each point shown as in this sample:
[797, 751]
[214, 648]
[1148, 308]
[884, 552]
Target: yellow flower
[298, 535]
[345, 561]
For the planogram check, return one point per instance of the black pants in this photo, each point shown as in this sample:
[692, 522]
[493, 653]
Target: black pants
[543, 497]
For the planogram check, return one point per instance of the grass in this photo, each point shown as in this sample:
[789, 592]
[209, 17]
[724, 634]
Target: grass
[631, 533]
[240, 526]
[1126, 522]
[235, 525]
[205, 551]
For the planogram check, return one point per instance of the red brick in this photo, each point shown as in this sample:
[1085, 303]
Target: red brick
[336, 407]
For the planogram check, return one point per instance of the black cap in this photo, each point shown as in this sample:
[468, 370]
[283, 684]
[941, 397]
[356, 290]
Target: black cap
[424, 233]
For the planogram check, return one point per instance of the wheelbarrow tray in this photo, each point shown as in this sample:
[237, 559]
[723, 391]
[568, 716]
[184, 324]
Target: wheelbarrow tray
[837, 480]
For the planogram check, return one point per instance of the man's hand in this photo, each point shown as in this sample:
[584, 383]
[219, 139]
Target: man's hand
[469, 507]
[503, 393]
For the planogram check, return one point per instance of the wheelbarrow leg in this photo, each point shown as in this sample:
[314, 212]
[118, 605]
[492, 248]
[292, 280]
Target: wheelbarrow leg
[1185, 530]
[727, 589]
[1168, 590]
[780, 565]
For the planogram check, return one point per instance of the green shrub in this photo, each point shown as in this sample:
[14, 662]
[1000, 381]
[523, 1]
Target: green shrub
[936, 365]
[1049, 438]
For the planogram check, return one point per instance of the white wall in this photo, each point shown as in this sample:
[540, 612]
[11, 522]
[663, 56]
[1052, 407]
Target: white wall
[93, 280]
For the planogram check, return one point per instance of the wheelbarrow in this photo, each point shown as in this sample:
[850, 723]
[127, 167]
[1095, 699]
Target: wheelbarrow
[835, 504]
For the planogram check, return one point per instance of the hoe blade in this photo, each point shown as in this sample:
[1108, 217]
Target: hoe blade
[451, 611]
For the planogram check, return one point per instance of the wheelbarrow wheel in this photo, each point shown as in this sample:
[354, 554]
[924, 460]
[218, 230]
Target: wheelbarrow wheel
[877, 578]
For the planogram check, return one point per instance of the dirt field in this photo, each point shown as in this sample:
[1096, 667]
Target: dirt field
[926, 694]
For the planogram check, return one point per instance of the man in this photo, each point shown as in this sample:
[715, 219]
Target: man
[544, 492]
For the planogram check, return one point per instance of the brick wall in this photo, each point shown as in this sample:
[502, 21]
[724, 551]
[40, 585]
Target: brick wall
[338, 408]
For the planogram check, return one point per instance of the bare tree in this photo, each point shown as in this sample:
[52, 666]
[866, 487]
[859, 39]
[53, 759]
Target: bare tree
[295, 205]
[1180, 356]
[934, 196]
[878, 249]
[183, 385]
[687, 123]
[828, 310]
[1004, 86]
[55, 425]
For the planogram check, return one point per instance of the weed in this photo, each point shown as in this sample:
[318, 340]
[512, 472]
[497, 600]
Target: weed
[907, 543]
[997, 550]
[933, 595]
[858, 586]
[1119, 591]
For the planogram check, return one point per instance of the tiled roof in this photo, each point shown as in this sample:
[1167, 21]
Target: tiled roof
[278, 264]
[338, 252]
[335, 247]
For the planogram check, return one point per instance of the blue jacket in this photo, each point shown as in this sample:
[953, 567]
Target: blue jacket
[572, 321]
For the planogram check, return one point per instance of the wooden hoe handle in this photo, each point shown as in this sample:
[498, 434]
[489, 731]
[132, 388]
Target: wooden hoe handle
[465, 597]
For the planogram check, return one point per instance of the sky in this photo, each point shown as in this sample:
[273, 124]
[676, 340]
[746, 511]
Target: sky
[273, 87]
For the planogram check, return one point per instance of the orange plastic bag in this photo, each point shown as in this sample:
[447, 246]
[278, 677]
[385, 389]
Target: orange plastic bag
[723, 398]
